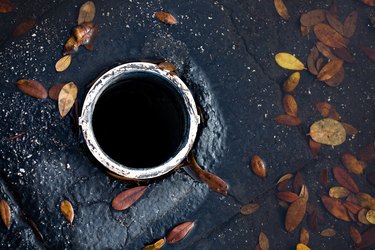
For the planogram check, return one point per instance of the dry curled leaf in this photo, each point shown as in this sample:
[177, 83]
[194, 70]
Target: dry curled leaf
[295, 214]
[127, 198]
[288, 120]
[281, 9]
[335, 23]
[290, 105]
[355, 235]
[352, 164]
[179, 232]
[304, 236]
[6, 6]
[165, 17]
[67, 97]
[67, 210]
[344, 179]
[32, 88]
[319, 63]
[287, 196]
[63, 63]
[86, 12]
[258, 166]
[335, 207]
[288, 61]
[369, 2]
[329, 36]
[301, 246]
[328, 131]
[24, 27]
[54, 91]
[328, 232]
[249, 208]
[330, 69]
[263, 241]
[311, 60]
[155, 246]
[350, 130]
[314, 147]
[292, 82]
[369, 52]
[367, 152]
[5, 213]
[313, 17]
[338, 192]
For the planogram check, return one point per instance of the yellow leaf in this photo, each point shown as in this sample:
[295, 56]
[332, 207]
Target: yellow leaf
[67, 97]
[66, 209]
[292, 82]
[288, 61]
[155, 246]
[301, 246]
[328, 131]
[281, 9]
[63, 63]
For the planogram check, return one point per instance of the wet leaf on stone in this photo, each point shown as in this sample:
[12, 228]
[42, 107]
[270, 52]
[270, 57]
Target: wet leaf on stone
[327, 110]
[355, 235]
[263, 241]
[350, 130]
[344, 179]
[336, 79]
[362, 216]
[285, 177]
[369, 2]
[366, 200]
[313, 17]
[179, 232]
[319, 63]
[335, 23]
[32, 88]
[367, 152]
[84, 34]
[281, 9]
[328, 131]
[292, 82]
[328, 232]
[5, 213]
[290, 105]
[86, 13]
[155, 246]
[258, 166]
[314, 147]
[6, 6]
[325, 50]
[63, 63]
[335, 207]
[249, 208]
[304, 30]
[24, 27]
[71, 46]
[287, 196]
[329, 36]
[323, 177]
[304, 236]
[54, 91]
[301, 246]
[338, 192]
[298, 182]
[168, 66]
[330, 69]
[288, 61]
[311, 60]
[332, 9]
[67, 210]
[352, 207]
[165, 17]
[368, 238]
[67, 97]
[127, 198]
[352, 164]
[295, 214]
[288, 120]
[369, 52]
[304, 192]
[343, 54]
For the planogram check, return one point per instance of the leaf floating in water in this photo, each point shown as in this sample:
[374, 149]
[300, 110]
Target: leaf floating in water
[67, 97]
[345, 180]
[362, 216]
[168, 66]
[295, 214]
[24, 27]
[179, 232]
[301, 246]
[335, 207]
[288, 61]
[298, 182]
[281, 9]
[352, 164]
[258, 166]
[249, 208]
[328, 232]
[290, 105]
[335, 23]
[369, 52]
[63, 63]
[305, 30]
[165, 17]
[155, 246]
[263, 241]
[304, 236]
[328, 131]
[32, 88]
[54, 91]
[292, 82]
[67, 210]
[369, 2]
[330, 69]
[127, 198]
[86, 13]
[6, 6]
[329, 36]
[313, 17]
[355, 235]
[288, 120]
[5, 213]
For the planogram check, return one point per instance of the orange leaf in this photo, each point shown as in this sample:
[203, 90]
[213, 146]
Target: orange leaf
[288, 120]
[304, 236]
[290, 105]
[5, 213]
[179, 232]
[355, 235]
[292, 82]
[329, 36]
[67, 210]
[352, 207]
[281, 9]
[249, 208]
[335, 80]
[335, 23]
[328, 232]
[258, 166]
[352, 164]
[6, 6]
[263, 241]
[335, 207]
[330, 69]
[63, 63]
[165, 17]
[86, 12]
[350, 130]
[342, 177]
[295, 214]
[311, 60]
[32, 88]
[287, 196]
[67, 97]
[127, 198]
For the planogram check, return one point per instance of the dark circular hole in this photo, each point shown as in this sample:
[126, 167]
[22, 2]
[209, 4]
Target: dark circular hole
[140, 121]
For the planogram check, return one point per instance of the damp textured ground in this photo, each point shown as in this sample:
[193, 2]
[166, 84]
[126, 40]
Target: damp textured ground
[224, 51]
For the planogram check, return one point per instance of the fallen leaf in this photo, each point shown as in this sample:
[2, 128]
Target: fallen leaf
[304, 30]
[369, 52]
[314, 147]
[362, 216]
[328, 131]
[127, 198]
[281, 9]
[335, 23]
[368, 238]
[67, 97]
[304, 192]
[304, 236]
[24, 27]
[263, 241]
[71, 46]
[319, 63]
[285, 178]
[344, 179]
[366, 200]
[338, 192]
[352, 164]
[290, 105]
[355, 235]
[295, 214]
[249, 208]
[292, 82]
[311, 60]
[323, 177]
[165, 17]
[350, 130]
[330, 69]
[287, 196]
[54, 91]
[86, 13]
[288, 120]
[369, 2]
[167, 66]
[329, 36]
[288, 61]
[370, 216]
[352, 207]
[283, 185]
[325, 50]
[335, 207]
[313, 17]
[179, 232]
[258, 166]
[298, 182]
[67, 210]
[257, 247]
[155, 246]
[343, 54]
[63, 63]
[6, 6]
[327, 110]
[301, 246]
[328, 232]
[336, 79]
[32, 88]
[367, 152]
[312, 220]
[332, 9]
[84, 33]
[5, 213]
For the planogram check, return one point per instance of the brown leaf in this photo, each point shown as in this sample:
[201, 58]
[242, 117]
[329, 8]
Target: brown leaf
[249, 208]
[313, 17]
[84, 33]
[312, 220]
[63, 63]
[127, 198]
[304, 192]
[352, 207]
[329, 36]
[283, 185]
[5, 213]
[368, 237]
[295, 214]
[325, 50]
[86, 13]
[6, 6]
[355, 235]
[327, 110]
[263, 241]
[54, 91]
[338, 192]
[371, 177]
[287, 196]
[257, 247]
[167, 66]
[332, 9]
[288, 120]
[298, 182]
[292, 82]
[179, 232]
[258, 166]
[314, 147]
[330, 69]
[285, 177]
[304, 236]
[352, 164]
[344, 54]
[319, 63]
[369, 2]
[32, 88]
[290, 105]
[165, 17]
[71, 46]
[328, 131]
[366, 200]
[367, 152]
[67, 97]
[67, 210]
[323, 177]
[24, 27]
[328, 232]
[311, 60]
[335, 207]
[369, 52]
[155, 246]
[335, 23]
[304, 30]
[281, 9]
[345, 180]
[350, 130]
[336, 79]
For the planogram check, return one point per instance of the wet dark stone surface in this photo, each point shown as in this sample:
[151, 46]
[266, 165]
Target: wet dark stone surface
[224, 51]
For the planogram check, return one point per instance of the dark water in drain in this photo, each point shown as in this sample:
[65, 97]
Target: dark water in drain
[139, 122]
